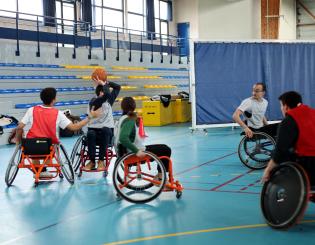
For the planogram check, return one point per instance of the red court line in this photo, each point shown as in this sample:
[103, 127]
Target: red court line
[207, 190]
[250, 185]
[231, 180]
[211, 161]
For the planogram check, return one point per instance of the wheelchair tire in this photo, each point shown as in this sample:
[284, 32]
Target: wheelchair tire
[12, 168]
[284, 197]
[75, 156]
[249, 158]
[66, 166]
[139, 190]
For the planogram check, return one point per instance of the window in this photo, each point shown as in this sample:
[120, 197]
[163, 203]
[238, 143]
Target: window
[98, 16]
[136, 6]
[135, 22]
[161, 16]
[117, 4]
[34, 7]
[112, 18]
[9, 6]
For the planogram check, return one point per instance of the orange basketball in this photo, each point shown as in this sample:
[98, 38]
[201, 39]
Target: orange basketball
[100, 74]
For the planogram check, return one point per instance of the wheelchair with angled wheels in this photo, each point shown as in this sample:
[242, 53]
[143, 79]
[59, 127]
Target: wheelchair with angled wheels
[79, 156]
[37, 154]
[135, 179]
[285, 195]
[256, 152]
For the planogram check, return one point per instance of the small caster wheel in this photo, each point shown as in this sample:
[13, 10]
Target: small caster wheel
[36, 184]
[80, 174]
[105, 174]
[178, 194]
[61, 176]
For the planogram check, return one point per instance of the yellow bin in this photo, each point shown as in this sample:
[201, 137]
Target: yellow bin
[155, 114]
[182, 111]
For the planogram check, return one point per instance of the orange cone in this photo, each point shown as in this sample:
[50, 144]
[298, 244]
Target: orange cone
[141, 128]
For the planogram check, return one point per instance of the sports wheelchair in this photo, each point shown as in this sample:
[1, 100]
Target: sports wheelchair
[79, 156]
[29, 155]
[285, 196]
[256, 152]
[135, 179]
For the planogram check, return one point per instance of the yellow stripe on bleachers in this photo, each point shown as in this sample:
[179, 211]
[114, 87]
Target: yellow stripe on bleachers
[136, 98]
[128, 68]
[128, 87]
[81, 67]
[144, 77]
[159, 86]
[108, 77]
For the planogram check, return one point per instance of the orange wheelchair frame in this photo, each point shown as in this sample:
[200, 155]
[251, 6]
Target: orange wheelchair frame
[80, 151]
[131, 160]
[51, 160]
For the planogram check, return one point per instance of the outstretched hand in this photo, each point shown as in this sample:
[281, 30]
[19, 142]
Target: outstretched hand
[97, 81]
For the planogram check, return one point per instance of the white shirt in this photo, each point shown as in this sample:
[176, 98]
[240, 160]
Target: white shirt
[106, 118]
[62, 120]
[258, 110]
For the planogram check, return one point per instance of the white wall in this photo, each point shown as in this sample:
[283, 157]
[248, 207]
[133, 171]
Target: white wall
[231, 19]
[223, 19]
[287, 21]
[187, 11]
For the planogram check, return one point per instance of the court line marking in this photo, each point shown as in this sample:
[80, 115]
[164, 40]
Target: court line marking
[58, 223]
[205, 163]
[238, 227]
[231, 180]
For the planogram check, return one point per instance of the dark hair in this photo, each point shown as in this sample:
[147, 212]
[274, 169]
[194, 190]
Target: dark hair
[291, 99]
[128, 105]
[263, 86]
[47, 95]
[98, 89]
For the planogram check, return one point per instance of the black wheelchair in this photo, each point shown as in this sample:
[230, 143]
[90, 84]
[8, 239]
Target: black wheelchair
[285, 196]
[79, 156]
[256, 152]
[37, 154]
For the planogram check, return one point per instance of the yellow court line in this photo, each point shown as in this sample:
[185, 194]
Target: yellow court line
[194, 232]
[128, 68]
[81, 67]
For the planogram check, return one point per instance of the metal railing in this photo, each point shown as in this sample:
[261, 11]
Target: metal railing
[41, 28]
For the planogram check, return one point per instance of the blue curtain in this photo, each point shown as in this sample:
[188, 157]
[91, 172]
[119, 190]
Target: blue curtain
[49, 7]
[150, 19]
[226, 72]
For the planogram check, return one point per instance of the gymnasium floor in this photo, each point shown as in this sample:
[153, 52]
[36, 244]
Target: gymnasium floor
[220, 203]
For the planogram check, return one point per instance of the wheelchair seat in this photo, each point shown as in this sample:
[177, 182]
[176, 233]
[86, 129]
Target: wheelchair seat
[36, 146]
[285, 196]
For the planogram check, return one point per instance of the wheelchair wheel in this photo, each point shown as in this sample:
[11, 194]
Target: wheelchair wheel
[255, 152]
[65, 163]
[284, 197]
[77, 153]
[13, 168]
[134, 179]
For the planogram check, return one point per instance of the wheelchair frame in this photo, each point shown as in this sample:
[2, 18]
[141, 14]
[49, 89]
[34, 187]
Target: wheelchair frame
[279, 195]
[130, 159]
[259, 163]
[79, 164]
[26, 161]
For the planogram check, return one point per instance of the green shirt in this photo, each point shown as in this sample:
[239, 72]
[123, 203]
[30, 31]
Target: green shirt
[127, 135]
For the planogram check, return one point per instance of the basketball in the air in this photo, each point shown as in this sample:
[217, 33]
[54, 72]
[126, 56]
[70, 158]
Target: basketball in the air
[99, 74]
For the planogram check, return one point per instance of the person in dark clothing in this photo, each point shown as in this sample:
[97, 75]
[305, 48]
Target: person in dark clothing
[296, 134]
[127, 136]
[100, 130]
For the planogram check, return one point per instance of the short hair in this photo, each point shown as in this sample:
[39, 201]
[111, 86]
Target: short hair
[263, 86]
[47, 95]
[128, 105]
[98, 89]
[291, 99]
